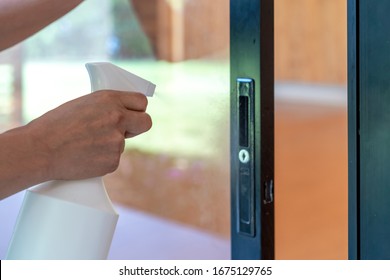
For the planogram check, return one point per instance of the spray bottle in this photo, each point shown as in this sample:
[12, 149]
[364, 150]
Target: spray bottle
[73, 219]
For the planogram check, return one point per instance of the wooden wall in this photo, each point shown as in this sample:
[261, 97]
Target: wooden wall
[185, 29]
[311, 40]
[310, 35]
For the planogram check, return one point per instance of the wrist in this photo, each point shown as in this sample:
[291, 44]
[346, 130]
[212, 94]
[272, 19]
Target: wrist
[36, 152]
[22, 163]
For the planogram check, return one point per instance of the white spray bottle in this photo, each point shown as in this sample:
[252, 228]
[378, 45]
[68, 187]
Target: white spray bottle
[72, 219]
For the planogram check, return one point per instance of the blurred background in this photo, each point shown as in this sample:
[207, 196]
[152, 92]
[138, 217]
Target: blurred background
[173, 183]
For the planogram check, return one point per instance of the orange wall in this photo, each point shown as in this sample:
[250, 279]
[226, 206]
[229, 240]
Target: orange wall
[310, 40]
[310, 35]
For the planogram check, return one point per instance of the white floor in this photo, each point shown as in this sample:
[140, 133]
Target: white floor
[311, 94]
[138, 236]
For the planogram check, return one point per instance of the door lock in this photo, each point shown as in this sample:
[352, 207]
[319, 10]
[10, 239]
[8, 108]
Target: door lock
[244, 156]
[246, 127]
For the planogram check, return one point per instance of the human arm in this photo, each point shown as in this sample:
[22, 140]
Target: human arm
[80, 139]
[20, 19]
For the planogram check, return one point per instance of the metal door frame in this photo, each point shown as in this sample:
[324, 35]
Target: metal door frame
[252, 65]
[368, 132]
[353, 137]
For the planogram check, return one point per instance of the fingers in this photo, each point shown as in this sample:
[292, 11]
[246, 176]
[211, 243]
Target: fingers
[131, 117]
[137, 123]
[134, 101]
[135, 120]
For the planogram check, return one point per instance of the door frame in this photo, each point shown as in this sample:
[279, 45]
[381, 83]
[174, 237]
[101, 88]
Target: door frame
[368, 132]
[353, 137]
[252, 178]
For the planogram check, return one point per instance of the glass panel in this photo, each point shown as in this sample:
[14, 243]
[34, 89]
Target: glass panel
[311, 129]
[10, 88]
[172, 186]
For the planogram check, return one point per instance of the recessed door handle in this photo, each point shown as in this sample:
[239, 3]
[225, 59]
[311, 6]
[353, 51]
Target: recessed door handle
[245, 195]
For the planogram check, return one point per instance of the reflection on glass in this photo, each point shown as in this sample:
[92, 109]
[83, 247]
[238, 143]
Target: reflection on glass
[172, 186]
[311, 130]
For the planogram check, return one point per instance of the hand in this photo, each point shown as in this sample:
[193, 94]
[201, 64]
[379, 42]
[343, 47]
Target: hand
[85, 137]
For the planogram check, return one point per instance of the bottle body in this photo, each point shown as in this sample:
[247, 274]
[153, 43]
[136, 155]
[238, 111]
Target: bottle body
[53, 226]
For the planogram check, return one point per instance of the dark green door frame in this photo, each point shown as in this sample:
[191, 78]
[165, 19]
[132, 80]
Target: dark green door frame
[353, 135]
[369, 128]
[252, 128]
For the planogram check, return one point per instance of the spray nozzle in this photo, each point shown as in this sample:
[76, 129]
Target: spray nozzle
[104, 75]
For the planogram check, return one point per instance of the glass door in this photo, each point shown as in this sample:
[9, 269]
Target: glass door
[172, 187]
[172, 183]
[311, 174]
